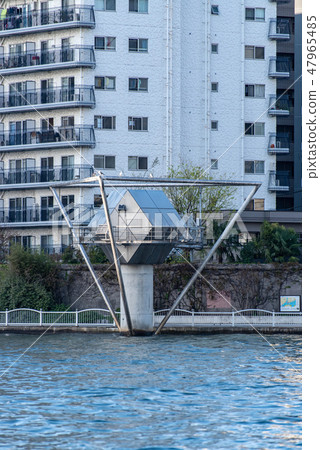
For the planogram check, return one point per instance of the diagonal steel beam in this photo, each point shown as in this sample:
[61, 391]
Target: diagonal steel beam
[192, 280]
[115, 256]
[85, 256]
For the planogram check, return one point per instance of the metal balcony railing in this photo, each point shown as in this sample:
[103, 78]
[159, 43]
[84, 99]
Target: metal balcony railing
[17, 21]
[52, 137]
[279, 68]
[45, 174]
[49, 98]
[55, 58]
[279, 29]
[278, 106]
[278, 144]
[77, 214]
[278, 181]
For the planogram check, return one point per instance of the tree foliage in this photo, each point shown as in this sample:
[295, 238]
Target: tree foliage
[186, 200]
[29, 281]
[276, 243]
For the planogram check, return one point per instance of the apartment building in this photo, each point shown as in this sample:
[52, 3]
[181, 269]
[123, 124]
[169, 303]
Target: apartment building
[133, 87]
[289, 164]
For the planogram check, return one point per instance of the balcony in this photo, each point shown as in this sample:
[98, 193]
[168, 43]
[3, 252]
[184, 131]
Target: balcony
[279, 68]
[278, 181]
[279, 29]
[55, 98]
[278, 106]
[25, 22]
[53, 137]
[37, 216]
[44, 174]
[53, 59]
[278, 145]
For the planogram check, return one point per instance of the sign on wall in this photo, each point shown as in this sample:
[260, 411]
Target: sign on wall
[290, 303]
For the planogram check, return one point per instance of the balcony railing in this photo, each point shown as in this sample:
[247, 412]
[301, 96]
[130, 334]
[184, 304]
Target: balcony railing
[77, 214]
[17, 21]
[53, 59]
[278, 106]
[279, 68]
[49, 98]
[278, 181]
[279, 29]
[45, 174]
[278, 144]
[53, 137]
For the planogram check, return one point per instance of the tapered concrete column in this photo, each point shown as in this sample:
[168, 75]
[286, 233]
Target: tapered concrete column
[138, 283]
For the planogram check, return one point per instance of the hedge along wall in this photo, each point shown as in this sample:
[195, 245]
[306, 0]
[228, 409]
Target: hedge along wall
[220, 286]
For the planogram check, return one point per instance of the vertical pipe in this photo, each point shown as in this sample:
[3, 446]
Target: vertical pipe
[115, 255]
[85, 256]
[224, 235]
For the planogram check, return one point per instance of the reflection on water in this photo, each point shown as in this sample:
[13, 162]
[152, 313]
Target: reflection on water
[180, 392]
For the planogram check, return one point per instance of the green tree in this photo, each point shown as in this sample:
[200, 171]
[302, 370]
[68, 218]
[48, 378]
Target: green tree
[275, 244]
[29, 280]
[186, 200]
[229, 248]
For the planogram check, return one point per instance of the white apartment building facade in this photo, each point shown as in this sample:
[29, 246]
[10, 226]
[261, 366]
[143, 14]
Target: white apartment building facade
[133, 87]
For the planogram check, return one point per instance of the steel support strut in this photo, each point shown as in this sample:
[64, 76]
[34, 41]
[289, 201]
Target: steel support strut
[86, 258]
[192, 280]
[115, 256]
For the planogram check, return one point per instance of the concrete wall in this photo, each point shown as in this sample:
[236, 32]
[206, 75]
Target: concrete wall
[240, 285]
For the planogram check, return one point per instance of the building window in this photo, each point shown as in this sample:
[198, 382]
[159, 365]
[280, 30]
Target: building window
[138, 45]
[104, 162]
[97, 200]
[138, 123]
[256, 167]
[255, 90]
[254, 129]
[105, 122]
[138, 84]
[214, 9]
[214, 87]
[105, 43]
[137, 163]
[252, 52]
[139, 6]
[214, 164]
[107, 83]
[257, 14]
[105, 5]
[214, 48]
[214, 125]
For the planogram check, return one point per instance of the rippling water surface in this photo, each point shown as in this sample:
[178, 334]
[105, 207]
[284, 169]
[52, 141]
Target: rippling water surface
[165, 392]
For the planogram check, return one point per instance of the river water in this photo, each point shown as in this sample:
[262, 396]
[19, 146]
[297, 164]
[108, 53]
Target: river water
[87, 391]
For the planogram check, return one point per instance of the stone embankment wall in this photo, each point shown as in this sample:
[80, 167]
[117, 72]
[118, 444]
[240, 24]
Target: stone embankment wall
[220, 286]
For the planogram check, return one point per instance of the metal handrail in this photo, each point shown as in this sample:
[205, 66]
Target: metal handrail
[77, 94]
[45, 174]
[83, 133]
[49, 16]
[29, 58]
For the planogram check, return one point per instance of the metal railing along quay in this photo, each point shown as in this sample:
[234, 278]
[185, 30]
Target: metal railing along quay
[57, 97]
[21, 20]
[45, 174]
[243, 318]
[180, 318]
[31, 317]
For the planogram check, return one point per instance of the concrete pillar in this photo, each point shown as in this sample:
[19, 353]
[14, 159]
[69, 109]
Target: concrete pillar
[138, 283]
